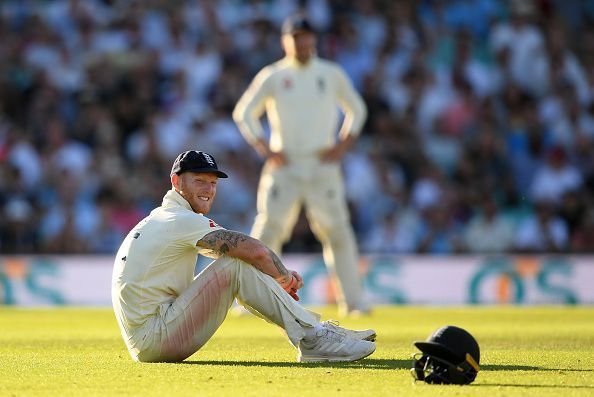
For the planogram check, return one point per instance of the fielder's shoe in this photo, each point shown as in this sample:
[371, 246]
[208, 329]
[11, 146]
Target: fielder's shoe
[330, 346]
[365, 334]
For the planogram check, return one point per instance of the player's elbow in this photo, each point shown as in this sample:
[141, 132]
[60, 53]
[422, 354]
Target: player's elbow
[260, 254]
[238, 114]
[363, 111]
[360, 109]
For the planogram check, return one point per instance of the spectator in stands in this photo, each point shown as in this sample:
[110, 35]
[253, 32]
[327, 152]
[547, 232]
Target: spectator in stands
[439, 232]
[555, 177]
[392, 234]
[542, 231]
[488, 230]
[526, 43]
[583, 239]
[89, 88]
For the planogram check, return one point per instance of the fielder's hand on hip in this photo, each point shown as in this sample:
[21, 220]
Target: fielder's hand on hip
[291, 283]
[335, 153]
[276, 160]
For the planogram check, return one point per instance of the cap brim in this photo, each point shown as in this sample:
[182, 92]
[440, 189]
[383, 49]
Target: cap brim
[437, 350]
[220, 174]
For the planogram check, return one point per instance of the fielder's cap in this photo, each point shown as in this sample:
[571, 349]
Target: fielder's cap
[297, 23]
[196, 161]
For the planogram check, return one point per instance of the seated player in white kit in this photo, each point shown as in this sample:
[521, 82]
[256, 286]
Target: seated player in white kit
[165, 313]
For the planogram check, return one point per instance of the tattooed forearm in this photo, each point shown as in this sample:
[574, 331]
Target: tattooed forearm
[246, 248]
[278, 264]
[221, 241]
[224, 249]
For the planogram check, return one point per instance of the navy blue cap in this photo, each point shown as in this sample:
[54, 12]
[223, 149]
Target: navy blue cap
[196, 161]
[297, 23]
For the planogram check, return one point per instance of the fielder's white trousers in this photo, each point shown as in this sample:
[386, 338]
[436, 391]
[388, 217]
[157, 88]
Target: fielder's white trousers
[319, 187]
[182, 327]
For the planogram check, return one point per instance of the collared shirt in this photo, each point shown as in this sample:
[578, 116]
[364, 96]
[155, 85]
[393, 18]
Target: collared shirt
[156, 260]
[302, 104]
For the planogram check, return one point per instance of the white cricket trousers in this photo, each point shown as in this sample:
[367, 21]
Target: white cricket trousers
[182, 327]
[319, 187]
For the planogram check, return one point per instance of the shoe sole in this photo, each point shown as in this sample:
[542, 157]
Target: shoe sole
[332, 359]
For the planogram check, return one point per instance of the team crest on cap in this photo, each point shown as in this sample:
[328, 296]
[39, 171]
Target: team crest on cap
[208, 159]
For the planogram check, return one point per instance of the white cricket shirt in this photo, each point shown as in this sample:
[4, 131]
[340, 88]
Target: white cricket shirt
[156, 260]
[302, 104]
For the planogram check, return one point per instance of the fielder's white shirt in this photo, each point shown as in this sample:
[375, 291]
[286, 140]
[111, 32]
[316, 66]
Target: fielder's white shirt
[156, 260]
[302, 104]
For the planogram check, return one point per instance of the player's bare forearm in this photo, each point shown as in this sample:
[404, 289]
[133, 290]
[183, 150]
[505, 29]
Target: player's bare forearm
[261, 147]
[245, 248]
[281, 269]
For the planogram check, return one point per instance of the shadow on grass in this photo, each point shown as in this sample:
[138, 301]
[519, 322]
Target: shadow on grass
[528, 368]
[369, 363]
[373, 363]
[534, 386]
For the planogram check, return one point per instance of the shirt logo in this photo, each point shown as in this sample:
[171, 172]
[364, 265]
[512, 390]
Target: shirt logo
[212, 223]
[287, 83]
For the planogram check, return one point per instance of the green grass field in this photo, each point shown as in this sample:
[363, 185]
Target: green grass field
[78, 352]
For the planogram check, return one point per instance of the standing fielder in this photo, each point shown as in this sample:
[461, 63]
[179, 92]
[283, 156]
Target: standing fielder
[301, 94]
[167, 314]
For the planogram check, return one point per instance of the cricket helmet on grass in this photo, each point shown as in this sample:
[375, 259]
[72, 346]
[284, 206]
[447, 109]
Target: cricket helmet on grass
[450, 355]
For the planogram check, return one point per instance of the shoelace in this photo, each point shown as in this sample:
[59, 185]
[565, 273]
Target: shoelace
[330, 334]
[333, 325]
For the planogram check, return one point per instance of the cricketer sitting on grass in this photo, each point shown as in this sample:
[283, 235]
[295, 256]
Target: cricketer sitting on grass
[167, 314]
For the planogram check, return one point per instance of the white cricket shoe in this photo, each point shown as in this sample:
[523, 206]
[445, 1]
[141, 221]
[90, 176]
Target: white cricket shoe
[330, 346]
[365, 334]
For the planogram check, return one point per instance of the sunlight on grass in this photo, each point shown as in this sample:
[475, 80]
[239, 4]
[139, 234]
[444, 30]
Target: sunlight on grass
[78, 351]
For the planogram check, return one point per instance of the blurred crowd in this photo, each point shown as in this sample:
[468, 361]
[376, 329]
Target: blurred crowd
[480, 136]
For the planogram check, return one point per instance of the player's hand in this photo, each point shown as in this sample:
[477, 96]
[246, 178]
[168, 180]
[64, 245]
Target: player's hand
[276, 160]
[298, 278]
[331, 155]
[293, 291]
[294, 295]
[335, 153]
[291, 283]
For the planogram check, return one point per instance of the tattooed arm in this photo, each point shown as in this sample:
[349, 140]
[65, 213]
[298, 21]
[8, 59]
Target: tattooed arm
[246, 248]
